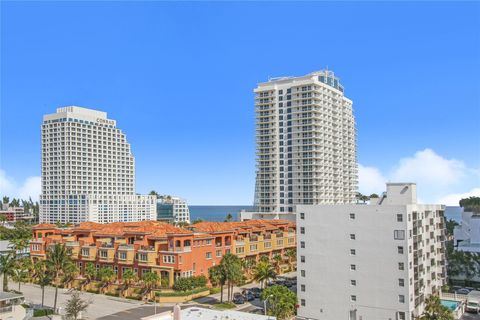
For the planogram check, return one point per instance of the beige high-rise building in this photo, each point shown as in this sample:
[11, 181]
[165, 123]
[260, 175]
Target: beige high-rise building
[88, 170]
[306, 143]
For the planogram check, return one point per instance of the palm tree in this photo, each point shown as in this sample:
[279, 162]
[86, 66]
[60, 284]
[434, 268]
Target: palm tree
[6, 200]
[43, 276]
[217, 277]
[232, 268]
[291, 255]
[90, 272]
[106, 275]
[58, 260]
[277, 260]
[128, 277]
[435, 311]
[248, 265]
[21, 271]
[70, 273]
[7, 267]
[228, 218]
[263, 272]
[150, 279]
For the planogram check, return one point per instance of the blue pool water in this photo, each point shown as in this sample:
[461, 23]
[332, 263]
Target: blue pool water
[450, 304]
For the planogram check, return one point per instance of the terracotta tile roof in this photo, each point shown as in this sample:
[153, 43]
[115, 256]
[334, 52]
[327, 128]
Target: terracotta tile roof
[250, 225]
[45, 226]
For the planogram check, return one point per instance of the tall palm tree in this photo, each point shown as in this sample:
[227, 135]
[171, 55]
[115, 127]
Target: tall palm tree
[58, 260]
[291, 255]
[43, 276]
[263, 272]
[217, 277]
[435, 311]
[232, 267]
[7, 267]
[277, 261]
[150, 279]
[128, 277]
[106, 275]
[21, 271]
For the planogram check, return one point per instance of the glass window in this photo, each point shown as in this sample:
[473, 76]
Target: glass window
[399, 234]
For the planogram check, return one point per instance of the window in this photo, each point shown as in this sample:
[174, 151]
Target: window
[401, 282]
[399, 234]
[122, 255]
[208, 255]
[302, 287]
[85, 252]
[302, 273]
[399, 218]
[169, 259]
[401, 266]
[218, 253]
[353, 267]
[302, 215]
[353, 298]
[353, 282]
[302, 230]
[302, 302]
[401, 298]
[302, 258]
[401, 315]
[353, 252]
[302, 244]
[103, 254]
[400, 249]
[352, 216]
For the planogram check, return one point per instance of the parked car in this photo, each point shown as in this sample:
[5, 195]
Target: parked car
[249, 296]
[238, 298]
[462, 291]
[256, 292]
[473, 301]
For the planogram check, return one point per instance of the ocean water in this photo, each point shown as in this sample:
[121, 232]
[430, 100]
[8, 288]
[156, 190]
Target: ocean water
[215, 213]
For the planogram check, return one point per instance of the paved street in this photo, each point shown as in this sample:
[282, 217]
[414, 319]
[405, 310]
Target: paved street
[101, 306]
[470, 316]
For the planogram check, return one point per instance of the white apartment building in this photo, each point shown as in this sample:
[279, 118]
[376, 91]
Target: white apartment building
[467, 235]
[172, 209]
[88, 170]
[370, 262]
[306, 143]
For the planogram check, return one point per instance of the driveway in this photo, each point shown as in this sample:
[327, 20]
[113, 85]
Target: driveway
[470, 316]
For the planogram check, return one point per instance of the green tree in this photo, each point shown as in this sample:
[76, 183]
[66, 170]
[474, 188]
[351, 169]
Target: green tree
[263, 272]
[291, 255]
[198, 220]
[373, 195]
[106, 275]
[277, 261]
[5, 200]
[150, 280]
[435, 311]
[58, 260]
[264, 259]
[128, 277]
[75, 305]
[7, 267]
[217, 276]
[228, 218]
[154, 193]
[43, 276]
[450, 225]
[90, 272]
[21, 271]
[471, 204]
[280, 301]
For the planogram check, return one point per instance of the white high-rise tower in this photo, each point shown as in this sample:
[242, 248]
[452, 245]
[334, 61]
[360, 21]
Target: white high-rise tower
[306, 143]
[88, 170]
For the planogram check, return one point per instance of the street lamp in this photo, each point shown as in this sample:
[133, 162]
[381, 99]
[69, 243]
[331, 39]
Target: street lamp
[265, 304]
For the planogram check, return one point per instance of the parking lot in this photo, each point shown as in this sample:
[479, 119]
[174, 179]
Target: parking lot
[470, 316]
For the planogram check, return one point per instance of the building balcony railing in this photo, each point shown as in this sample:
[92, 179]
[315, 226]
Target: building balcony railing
[6, 309]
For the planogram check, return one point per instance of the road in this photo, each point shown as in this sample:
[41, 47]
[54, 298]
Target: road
[470, 316]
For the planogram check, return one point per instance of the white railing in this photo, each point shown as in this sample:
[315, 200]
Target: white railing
[453, 296]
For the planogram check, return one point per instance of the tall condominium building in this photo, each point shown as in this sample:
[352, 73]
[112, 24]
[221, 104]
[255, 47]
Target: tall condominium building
[172, 209]
[88, 170]
[306, 143]
[376, 261]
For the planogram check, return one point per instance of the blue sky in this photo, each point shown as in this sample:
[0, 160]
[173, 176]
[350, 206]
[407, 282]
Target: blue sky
[178, 78]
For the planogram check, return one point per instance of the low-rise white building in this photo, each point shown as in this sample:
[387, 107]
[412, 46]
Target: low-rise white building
[375, 261]
[10, 306]
[194, 313]
[467, 234]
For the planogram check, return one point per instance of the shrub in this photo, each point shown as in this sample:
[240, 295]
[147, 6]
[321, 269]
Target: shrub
[42, 312]
[134, 297]
[180, 293]
[190, 283]
[224, 305]
[114, 294]
[92, 291]
[214, 290]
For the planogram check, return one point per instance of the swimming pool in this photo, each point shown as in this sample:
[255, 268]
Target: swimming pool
[450, 304]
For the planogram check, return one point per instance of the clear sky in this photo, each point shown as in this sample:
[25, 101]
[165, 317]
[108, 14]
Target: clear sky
[178, 78]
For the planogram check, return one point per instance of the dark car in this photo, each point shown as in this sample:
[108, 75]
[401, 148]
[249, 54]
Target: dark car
[256, 292]
[249, 296]
[238, 298]
[462, 291]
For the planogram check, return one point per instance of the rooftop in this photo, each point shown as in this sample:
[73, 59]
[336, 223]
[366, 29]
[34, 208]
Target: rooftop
[9, 296]
[209, 314]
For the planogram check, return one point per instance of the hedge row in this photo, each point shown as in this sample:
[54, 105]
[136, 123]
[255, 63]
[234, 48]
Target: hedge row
[180, 293]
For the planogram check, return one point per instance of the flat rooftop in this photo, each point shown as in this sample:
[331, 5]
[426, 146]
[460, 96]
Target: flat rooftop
[195, 313]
